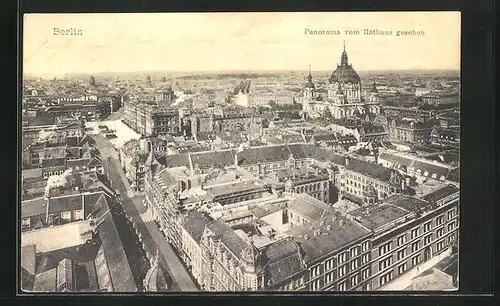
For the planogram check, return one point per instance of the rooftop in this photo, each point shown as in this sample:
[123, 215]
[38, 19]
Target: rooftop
[408, 203]
[310, 207]
[373, 217]
[68, 235]
[333, 234]
[370, 169]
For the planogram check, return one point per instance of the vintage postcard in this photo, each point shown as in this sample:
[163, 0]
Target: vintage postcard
[278, 152]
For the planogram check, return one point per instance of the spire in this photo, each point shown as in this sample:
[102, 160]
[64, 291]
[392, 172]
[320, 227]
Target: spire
[343, 59]
[374, 85]
[309, 78]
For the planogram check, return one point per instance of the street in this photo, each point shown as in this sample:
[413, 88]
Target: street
[133, 207]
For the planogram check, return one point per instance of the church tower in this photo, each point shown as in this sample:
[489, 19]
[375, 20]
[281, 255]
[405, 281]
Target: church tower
[309, 90]
[348, 79]
[374, 94]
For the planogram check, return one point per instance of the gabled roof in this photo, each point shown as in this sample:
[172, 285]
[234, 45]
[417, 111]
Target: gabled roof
[195, 224]
[310, 207]
[372, 170]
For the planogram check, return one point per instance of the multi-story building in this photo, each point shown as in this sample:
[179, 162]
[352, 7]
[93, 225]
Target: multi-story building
[441, 98]
[237, 123]
[133, 156]
[89, 112]
[410, 131]
[315, 182]
[80, 259]
[53, 132]
[406, 112]
[418, 167]
[409, 234]
[303, 245]
[152, 119]
[365, 182]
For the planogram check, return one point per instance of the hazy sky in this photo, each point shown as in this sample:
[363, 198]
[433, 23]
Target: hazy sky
[237, 41]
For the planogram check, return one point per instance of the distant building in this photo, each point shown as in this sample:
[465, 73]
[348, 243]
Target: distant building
[441, 98]
[344, 95]
[410, 131]
[152, 119]
[405, 112]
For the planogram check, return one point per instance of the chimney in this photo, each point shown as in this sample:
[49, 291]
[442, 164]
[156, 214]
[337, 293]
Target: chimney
[347, 161]
[407, 181]
[329, 227]
[341, 222]
[316, 233]
[311, 227]
[306, 237]
[236, 158]
[402, 185]
[334, 218]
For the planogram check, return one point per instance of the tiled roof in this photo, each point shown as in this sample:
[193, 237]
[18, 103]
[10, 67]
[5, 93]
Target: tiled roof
[209, 159]
[174, 160]
[195, 224]
[429, 168]
[119, 267]
[228, 237]
[372, 170]
[399, 160]
[440, 193]
[328, 241]
[283, 261]
[310, 207]
[325, 137]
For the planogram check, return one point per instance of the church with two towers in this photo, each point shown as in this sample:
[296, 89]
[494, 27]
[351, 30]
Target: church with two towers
[344, 98]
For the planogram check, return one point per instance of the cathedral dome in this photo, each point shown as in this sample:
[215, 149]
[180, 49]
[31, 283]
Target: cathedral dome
[310, 84]
[344, 72]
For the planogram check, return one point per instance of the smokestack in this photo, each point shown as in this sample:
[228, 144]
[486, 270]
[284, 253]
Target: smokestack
[236, 158]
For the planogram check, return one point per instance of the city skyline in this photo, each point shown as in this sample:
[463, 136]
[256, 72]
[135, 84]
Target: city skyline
[230, 40]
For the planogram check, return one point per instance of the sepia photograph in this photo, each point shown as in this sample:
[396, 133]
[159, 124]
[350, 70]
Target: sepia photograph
[240, 152]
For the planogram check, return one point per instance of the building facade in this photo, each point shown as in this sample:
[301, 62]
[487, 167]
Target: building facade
[152, 119]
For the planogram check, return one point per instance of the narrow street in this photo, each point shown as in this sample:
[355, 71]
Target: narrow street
[133, 207]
